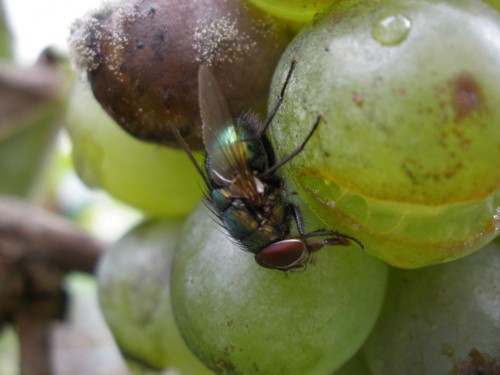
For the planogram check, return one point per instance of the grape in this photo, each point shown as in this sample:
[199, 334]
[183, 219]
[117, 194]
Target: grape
[406, 158]
[239, 318]
[494, 3]
[294, 10]
[434, 317]
[159, 181]
[355, 366]
[133, 280]
[142, 58]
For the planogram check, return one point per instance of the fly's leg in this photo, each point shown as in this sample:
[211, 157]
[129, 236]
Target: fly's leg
[312, 246]
[295, 152]
[335, 238]
[182, 142]
[279, 101]
[297, 216]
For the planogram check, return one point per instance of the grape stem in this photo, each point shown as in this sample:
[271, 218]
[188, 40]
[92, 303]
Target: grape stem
[37, 249]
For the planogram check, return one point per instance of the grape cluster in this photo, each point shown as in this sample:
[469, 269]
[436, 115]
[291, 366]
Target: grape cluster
[405, 159]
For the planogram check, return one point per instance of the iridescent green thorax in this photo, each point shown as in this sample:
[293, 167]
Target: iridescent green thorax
[254, 226]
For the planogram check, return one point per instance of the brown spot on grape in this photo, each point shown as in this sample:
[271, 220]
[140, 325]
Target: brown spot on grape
[467, 96]
[418, 175]
[223, 366]
[478, 363]
[357, 99]
[447, 350]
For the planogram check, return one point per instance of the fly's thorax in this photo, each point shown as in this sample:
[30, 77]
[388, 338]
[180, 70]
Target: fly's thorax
[254, 226]
[267, 233]
[240, 222]
[220, 199]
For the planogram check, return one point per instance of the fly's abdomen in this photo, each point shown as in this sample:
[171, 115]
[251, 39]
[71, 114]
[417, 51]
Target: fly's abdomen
[256, 153]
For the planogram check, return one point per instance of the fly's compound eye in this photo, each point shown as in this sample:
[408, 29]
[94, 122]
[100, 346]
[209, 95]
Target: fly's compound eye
[283, 255]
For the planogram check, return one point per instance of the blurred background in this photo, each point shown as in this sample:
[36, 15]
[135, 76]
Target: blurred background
[38, 24]
[36, 166]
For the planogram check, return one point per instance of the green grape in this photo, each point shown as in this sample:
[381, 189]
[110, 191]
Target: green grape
[433, 318]
[355, 366]
[133, 281]
[142, 57]
[157, 180]
[294, 10]
[494, 3]
[240, 318]
[407, 156]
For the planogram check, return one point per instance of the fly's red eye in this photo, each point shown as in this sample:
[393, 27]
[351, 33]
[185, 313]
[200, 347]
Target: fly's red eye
[283, 255]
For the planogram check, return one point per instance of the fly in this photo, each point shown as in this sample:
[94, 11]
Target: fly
[246, 194]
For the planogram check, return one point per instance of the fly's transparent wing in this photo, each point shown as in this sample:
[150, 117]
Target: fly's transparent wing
[226, 154]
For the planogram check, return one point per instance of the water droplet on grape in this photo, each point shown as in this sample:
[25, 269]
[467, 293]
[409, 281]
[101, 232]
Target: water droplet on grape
[391, 30]
[496, 220]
